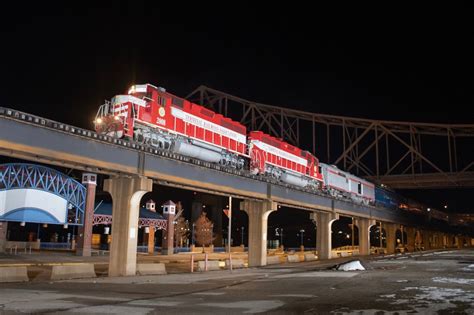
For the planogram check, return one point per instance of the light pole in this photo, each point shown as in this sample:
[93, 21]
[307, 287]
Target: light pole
[279, 232]
[242, 238]
[302, 235]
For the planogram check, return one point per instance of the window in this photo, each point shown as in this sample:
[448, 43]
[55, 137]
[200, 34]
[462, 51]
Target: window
[177, 101]
[359, 188]
[161, 101]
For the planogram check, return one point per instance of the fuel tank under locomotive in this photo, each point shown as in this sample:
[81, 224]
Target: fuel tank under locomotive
[197, 150]
[296, 180]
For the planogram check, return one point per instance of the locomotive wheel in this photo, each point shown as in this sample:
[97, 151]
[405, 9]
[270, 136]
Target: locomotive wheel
[137, 137]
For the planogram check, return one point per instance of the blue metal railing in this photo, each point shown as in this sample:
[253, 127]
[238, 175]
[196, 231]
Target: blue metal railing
[52, 245]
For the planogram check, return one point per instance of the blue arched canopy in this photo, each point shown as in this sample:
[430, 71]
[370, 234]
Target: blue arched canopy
[34, 193]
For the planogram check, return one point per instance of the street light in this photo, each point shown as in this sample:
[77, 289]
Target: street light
[301, 234]
[279, 232]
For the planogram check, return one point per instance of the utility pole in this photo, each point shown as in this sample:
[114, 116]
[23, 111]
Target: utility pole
[353, 233]
[380, 235]
[302, 236]
[230, 223]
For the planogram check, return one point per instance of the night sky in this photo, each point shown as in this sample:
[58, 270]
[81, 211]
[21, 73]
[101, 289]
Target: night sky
[382, 62]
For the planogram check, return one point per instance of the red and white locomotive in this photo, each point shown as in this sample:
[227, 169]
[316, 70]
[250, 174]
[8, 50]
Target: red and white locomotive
[274, 157]
[152, 116]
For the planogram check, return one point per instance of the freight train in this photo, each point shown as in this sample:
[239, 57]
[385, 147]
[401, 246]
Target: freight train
[150, 115]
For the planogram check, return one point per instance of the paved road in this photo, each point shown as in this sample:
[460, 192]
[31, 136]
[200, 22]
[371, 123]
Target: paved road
[423, 283]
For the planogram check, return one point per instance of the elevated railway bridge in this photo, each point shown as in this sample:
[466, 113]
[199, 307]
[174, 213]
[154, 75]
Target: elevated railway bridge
[133, 169]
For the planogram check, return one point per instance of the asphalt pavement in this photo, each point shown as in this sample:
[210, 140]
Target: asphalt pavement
[427, 283]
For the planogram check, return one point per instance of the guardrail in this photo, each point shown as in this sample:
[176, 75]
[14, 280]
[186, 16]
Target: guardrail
[53, 245]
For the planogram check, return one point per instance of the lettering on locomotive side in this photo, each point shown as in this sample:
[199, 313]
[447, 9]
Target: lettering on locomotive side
[275, 151]
[191, 119]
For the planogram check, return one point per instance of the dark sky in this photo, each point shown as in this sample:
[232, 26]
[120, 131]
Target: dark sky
[384, 62]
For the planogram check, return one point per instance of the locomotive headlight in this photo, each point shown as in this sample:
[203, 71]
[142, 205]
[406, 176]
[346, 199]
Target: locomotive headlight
[98, 120]
[131, 90]
[116, 117]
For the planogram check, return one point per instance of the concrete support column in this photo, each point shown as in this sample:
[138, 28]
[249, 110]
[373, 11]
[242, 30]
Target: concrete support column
[167, 242]
[258, 213]
[452, 241]
[391, 232]
[3, 235]
[411, 238]
[426, 240]
[364, 226]
[324, 222]
[126, 194]
[85, 231]
[437, 240]
[151, 240]
[418, 240]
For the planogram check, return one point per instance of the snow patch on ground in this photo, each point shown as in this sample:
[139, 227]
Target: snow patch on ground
[350, 266]
[453, 280]
[368, 312]
[428, 300]
[434, 299]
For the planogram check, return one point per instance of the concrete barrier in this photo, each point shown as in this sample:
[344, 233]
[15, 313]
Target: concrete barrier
[235, 249]
[209, 249]
[293, 258]
[273, 260]
[13, 274]
[310, 257]
[78, 271]
[211, 265]
[151, 269]
[236, 263]
[22, 245]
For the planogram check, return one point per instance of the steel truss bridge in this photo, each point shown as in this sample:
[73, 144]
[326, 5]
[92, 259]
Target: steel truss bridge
[399, 154]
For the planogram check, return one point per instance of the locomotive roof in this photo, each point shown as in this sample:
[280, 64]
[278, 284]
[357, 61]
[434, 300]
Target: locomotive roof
[200, 110]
